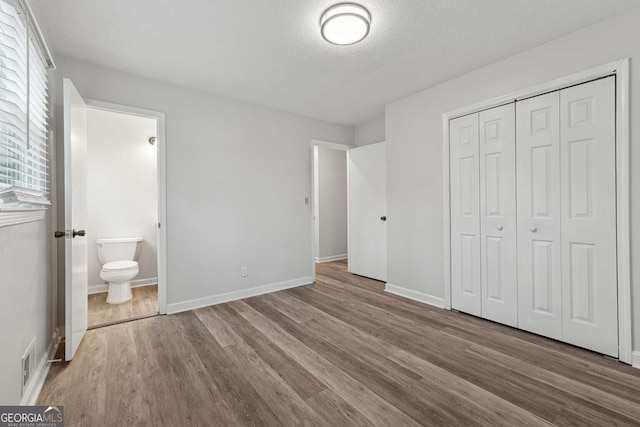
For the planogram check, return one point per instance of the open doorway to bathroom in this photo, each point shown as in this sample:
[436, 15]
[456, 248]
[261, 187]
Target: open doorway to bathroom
[122, 215]
[330, 213]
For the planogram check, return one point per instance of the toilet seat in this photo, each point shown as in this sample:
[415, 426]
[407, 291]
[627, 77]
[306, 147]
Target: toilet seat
[119, 266]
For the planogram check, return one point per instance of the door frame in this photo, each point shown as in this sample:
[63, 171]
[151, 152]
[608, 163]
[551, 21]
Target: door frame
[162, 187]
[334, 146]
[620, 69]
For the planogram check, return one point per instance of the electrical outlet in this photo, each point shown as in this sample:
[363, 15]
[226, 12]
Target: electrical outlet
[28, 364]
[244, 271]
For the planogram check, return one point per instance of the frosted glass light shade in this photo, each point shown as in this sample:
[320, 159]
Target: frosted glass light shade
[345, 24]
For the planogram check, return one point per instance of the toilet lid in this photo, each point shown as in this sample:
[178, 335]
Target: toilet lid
[120, 266]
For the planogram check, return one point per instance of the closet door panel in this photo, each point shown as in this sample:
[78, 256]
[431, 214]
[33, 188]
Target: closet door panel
[498, 215]
[538, 215]
[589, 277]
[465, 215]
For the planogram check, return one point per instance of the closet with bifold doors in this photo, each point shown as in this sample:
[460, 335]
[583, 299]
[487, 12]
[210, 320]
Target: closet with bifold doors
[533, 215]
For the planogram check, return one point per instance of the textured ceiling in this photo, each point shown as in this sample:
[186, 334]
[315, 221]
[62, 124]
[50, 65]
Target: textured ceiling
[271, 52]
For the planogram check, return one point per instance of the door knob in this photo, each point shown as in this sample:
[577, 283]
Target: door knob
[533, 229]
[80, 233]
[383, 218]
[499, 227]
[59, 234]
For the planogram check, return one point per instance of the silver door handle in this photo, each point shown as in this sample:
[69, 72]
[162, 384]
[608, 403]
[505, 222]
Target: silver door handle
[533, 229]
[499, 227]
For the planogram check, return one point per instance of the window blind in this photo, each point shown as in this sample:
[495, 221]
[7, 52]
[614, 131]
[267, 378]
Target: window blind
[37, 153]
[24, 161]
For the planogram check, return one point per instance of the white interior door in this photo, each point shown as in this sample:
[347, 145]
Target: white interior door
[367, 211]
[498, 214]
[539, 234]
[465, 215]
[588, 191]
[75, 217]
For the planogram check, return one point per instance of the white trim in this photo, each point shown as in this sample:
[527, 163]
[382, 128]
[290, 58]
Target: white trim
[312, 204]
[446, 184]
[236, 295]
[551, 86]
[331, 258]
[332, 145]
[51, 65]
[103, 287]
[623, 209]
[621, 70]
[348, 211]
[161, 145]
[21, 216]
[32, 392]
[635, 359]
[414, 295]
[53, 221]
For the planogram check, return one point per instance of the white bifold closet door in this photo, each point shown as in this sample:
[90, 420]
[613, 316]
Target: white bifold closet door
[588, 193]
[539, 248]
[483, 215]
[498, 214]
[466, 292]
[567, 281]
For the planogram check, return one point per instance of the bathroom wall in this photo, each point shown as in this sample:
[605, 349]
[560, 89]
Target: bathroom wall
[122, 188]
[331, 204]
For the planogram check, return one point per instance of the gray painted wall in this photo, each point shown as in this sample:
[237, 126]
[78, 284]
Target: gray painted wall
[331, 203]
[414, 132]
[27, 303]
[371, 132]
[237, 177]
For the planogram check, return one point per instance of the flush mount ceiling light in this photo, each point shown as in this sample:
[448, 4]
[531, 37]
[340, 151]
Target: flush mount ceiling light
[345, 24]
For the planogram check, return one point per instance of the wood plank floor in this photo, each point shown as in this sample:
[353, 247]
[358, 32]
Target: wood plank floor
[339, 352]
[143, 303]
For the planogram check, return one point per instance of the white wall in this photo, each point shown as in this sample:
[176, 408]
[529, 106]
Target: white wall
[413, 126]
[370, 132]
[331, 203]
[122, 185]
[26, 305]
[237, 177]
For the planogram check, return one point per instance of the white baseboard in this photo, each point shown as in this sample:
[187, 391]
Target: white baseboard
[415, 295]
[635, 359]
[236, 295]
[32, 392]
[331, 258]
[97, 289]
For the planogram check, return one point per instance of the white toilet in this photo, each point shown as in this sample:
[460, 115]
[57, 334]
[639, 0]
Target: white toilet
[118, 257]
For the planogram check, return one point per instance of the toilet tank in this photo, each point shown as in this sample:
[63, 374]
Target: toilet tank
[119, 249]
